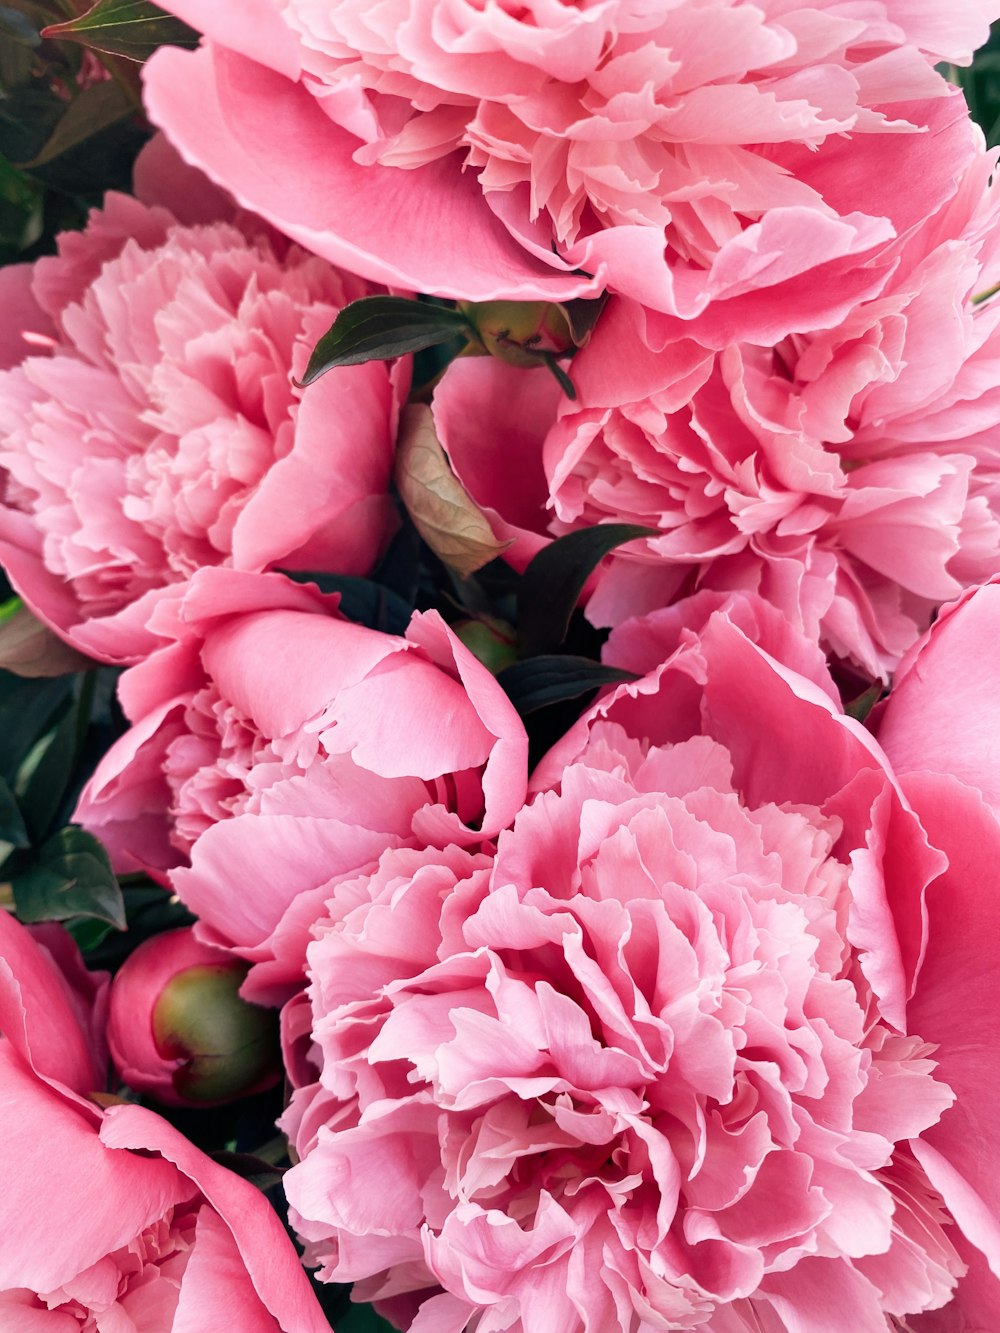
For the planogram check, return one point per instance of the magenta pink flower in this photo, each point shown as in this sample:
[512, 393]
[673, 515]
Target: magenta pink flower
[111, 1219]
[149, 425]
[655, 1064]
[678, 152]
[278, 749]
[848, 475]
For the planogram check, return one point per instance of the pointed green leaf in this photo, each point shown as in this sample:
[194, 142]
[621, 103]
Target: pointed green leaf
[12, 828]
[555, 578]
[72, 877]
[582, 313]
[262, 1175]
[363, 1319]
[130, 28]
[862, 705]
[552, 678]
[44, 776]
[28, 709]
[362, 600]
[93, 110]
[376, 328]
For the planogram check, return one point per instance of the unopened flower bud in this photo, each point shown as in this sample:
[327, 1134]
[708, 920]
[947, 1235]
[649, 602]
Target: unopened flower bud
[179, 1030]
[522, 333]
[493, 641]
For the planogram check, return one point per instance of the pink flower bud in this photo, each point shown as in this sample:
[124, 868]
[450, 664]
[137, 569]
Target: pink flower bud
[179, 1030]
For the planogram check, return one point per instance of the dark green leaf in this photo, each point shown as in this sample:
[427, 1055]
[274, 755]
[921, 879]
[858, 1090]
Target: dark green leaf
[100, 162]
[12, 828]
[130, 28]
[261, 1174]
[552, 678]
[29, 112]
[90, 933]
[553, 582]
[362, 600]
[28, 709]
[363, 1319]
[71, 878]
[582, 314]
[16, 64]
[97, 107]
[376, 328]
[862, 705]
[20, 212]
[43, 778]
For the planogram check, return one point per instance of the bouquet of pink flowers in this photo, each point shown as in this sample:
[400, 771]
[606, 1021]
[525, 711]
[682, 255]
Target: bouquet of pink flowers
[499, 669]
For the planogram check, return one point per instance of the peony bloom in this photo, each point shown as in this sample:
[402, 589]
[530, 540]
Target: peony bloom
[149, 425]
[112, 1219]
[676, 1054]
[277, 749]
[678, 151]
[849, 475]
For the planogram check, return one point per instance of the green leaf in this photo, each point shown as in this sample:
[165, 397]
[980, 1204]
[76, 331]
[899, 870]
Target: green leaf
[16, 63]
[45, 774]
[555, 578]
[130, 28]
[376, 328]
[12, 828]
[28, 709]
[261, 1174]
[582, 313]
[21, 211]
[553, 677]
[363, 1319]
[860, 706]
[89, 933]
[362, 600]
[71, 878]
[97, 107]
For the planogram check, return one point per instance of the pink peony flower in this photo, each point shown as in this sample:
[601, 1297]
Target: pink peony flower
[849, 475]
[675, 1055]
[150, 426]
[679, 152]
[278, 749]
[112, 1219]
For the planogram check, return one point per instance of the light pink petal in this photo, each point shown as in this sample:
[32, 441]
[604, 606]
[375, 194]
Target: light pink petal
[943, 714]
[234, 119]
[263, 1245]
[38, 1014]
[95, 1201]
[956, 1003]
[255, 29]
